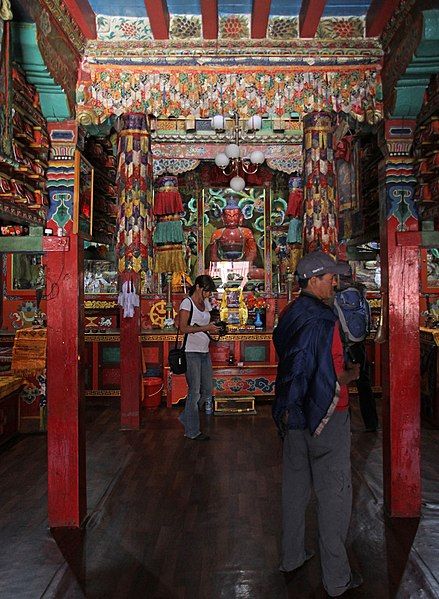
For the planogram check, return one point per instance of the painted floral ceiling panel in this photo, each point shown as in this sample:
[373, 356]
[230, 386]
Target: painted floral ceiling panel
[233, 19]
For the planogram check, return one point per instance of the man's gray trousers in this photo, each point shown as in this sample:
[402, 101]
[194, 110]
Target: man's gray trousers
[322, 463]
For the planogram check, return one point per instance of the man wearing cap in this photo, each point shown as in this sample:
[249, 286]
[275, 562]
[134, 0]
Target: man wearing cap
[311, 412]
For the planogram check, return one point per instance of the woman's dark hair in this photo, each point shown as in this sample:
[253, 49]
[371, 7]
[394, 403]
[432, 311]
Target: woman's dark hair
[203, 281]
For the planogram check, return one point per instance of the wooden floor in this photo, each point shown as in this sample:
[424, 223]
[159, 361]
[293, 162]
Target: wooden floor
[170, 518]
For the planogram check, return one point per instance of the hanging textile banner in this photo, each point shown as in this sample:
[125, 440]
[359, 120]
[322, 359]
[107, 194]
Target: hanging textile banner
[132, 177]
[320, 186]
[168, 234]
[5, 91]
[113, 89]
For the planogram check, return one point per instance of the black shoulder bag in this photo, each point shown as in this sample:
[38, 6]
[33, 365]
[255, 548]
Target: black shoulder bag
[177, 355]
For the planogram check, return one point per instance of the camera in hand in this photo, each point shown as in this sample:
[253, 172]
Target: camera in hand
[222, 327]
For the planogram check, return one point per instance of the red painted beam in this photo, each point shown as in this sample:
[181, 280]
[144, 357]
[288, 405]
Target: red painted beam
[209, 15]
[309, 17]
[84, 16]
[378, 15]
[260, 14]
[158, 18]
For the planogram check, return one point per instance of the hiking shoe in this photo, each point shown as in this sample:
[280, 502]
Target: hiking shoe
[308, 556]
[200, 437]
[355, 581]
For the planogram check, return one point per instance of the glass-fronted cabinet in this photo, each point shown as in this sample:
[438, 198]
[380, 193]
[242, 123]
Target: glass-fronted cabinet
[100, 276]
[100, 273]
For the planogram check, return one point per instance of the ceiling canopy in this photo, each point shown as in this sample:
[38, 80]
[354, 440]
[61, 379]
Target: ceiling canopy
[230, 19]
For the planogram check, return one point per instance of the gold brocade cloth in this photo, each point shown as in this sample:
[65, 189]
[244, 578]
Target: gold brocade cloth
[29, 351]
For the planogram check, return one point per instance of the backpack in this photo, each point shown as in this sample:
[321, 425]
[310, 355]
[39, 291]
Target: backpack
[353, 311]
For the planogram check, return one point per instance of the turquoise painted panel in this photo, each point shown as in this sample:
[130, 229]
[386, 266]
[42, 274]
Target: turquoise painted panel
[255, 353]
[111, 354]
[54, 105]
[411, 86]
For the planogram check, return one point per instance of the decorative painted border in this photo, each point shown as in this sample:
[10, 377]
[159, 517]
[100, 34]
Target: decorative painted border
[102, 392]
[99, 304]
[37, 217]
[197, 150]
[173, 166]
[62, 16]
[397, 19]
[210, 51]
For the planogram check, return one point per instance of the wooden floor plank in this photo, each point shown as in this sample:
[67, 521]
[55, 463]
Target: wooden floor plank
[172, 518]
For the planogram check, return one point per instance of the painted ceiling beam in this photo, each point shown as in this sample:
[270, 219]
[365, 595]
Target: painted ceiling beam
[378, 15]
[84, 17]
[158, 14]
[209, 14]
[309, 18]
[260, 14]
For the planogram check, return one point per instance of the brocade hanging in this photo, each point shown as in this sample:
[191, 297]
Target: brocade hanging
[203, 92]
[132, 173]
[168, 233]
[320, 199]
[5, 92]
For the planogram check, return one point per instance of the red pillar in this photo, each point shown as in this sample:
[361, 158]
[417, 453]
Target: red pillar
[63, 259]
[130, 369]
[65, 415]
[401, 352]
[132, 252]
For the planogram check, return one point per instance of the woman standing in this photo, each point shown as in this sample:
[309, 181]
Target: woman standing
[199, 367]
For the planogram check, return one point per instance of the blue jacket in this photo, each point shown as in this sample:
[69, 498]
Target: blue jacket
[306, 390]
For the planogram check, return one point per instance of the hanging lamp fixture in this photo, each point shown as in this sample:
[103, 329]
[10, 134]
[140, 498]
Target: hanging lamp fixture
[230, 161]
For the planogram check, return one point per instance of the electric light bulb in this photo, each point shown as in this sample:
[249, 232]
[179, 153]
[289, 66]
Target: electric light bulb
[237, 183]
[221, 160]
[218, 122]
[257, 157]
[254, 123]
[232, 151]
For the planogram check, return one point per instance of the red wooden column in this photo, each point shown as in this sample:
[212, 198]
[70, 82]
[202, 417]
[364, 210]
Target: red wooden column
[401, 353]
[130, 368]
[63, 260]
[132, 254]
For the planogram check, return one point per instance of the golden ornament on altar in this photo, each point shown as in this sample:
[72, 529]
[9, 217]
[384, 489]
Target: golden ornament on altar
[233, 309]
[157, 314]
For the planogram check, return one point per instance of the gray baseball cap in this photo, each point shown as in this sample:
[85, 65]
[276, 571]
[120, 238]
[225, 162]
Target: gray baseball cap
[318, 263]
